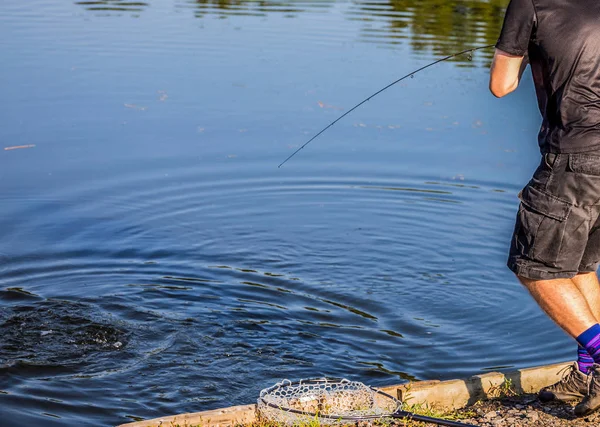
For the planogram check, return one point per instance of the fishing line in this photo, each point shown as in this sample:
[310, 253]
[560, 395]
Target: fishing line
[469, 51]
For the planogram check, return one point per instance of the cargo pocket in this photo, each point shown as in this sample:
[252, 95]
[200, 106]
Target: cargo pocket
[542, 218]
[585, 163]
[583, 183]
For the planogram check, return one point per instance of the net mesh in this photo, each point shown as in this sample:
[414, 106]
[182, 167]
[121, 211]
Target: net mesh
[330, 400]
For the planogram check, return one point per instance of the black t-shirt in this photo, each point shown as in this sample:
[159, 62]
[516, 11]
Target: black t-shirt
[562, 38]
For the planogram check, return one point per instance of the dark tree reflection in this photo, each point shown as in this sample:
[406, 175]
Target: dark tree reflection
[108, 6]
[226, 8]
[437, 26]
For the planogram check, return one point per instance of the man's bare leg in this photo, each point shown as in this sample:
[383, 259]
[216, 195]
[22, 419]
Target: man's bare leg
[588, 285]
[572, 304]
[563, 302]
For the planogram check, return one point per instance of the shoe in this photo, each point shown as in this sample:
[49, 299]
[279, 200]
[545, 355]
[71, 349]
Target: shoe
[591, 401]
[572, 386]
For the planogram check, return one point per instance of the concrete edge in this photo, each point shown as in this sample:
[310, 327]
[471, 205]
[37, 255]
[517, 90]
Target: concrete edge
[231, 416]
[441, 395]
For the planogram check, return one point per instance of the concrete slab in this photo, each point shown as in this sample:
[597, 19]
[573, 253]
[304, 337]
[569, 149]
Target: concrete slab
[440, 395]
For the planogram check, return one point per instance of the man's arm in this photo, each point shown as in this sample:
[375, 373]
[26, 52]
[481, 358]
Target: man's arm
[506, 73]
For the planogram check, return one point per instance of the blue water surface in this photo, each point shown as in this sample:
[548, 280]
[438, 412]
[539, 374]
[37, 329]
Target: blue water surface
[155, 260]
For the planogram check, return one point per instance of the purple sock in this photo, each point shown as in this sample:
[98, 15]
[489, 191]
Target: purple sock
[584, 360]
[590, 340]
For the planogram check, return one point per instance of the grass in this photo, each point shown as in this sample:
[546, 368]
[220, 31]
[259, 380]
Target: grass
[506, 389]
[429, 411]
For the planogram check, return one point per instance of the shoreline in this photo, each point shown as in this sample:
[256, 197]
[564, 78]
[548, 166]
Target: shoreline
[443, 396]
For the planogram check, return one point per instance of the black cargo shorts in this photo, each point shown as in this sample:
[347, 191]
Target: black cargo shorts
[557, 231]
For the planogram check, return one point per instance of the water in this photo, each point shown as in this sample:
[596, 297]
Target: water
[154, 260]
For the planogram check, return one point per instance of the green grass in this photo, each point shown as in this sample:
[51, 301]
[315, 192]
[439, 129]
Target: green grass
[506, 389]
[430, 411]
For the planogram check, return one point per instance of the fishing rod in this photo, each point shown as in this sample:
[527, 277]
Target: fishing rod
[469, 51]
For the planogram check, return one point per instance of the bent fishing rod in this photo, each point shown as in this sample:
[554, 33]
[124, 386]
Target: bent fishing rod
[469, 51]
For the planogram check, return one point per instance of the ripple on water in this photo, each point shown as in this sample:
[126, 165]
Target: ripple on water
[56, 334]
[17, 294]
[3, 261]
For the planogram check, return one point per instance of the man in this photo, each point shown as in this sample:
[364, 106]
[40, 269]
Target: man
[555, 248]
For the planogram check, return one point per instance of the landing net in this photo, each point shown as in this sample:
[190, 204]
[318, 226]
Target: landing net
[330, 400]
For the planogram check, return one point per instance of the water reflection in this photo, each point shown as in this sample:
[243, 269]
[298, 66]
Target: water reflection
[439, 26]
[113, 5]
[225, 8]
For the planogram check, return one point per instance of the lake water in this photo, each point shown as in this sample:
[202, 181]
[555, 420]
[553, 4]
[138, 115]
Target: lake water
[155, 260]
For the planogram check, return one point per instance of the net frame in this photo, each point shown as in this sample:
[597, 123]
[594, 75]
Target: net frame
[330, 400]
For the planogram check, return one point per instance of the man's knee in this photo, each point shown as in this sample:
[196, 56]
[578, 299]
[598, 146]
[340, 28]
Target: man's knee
[527, 282]
[538, 285]
[587, 274]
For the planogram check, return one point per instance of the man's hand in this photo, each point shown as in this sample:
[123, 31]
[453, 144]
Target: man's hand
[505, 73]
